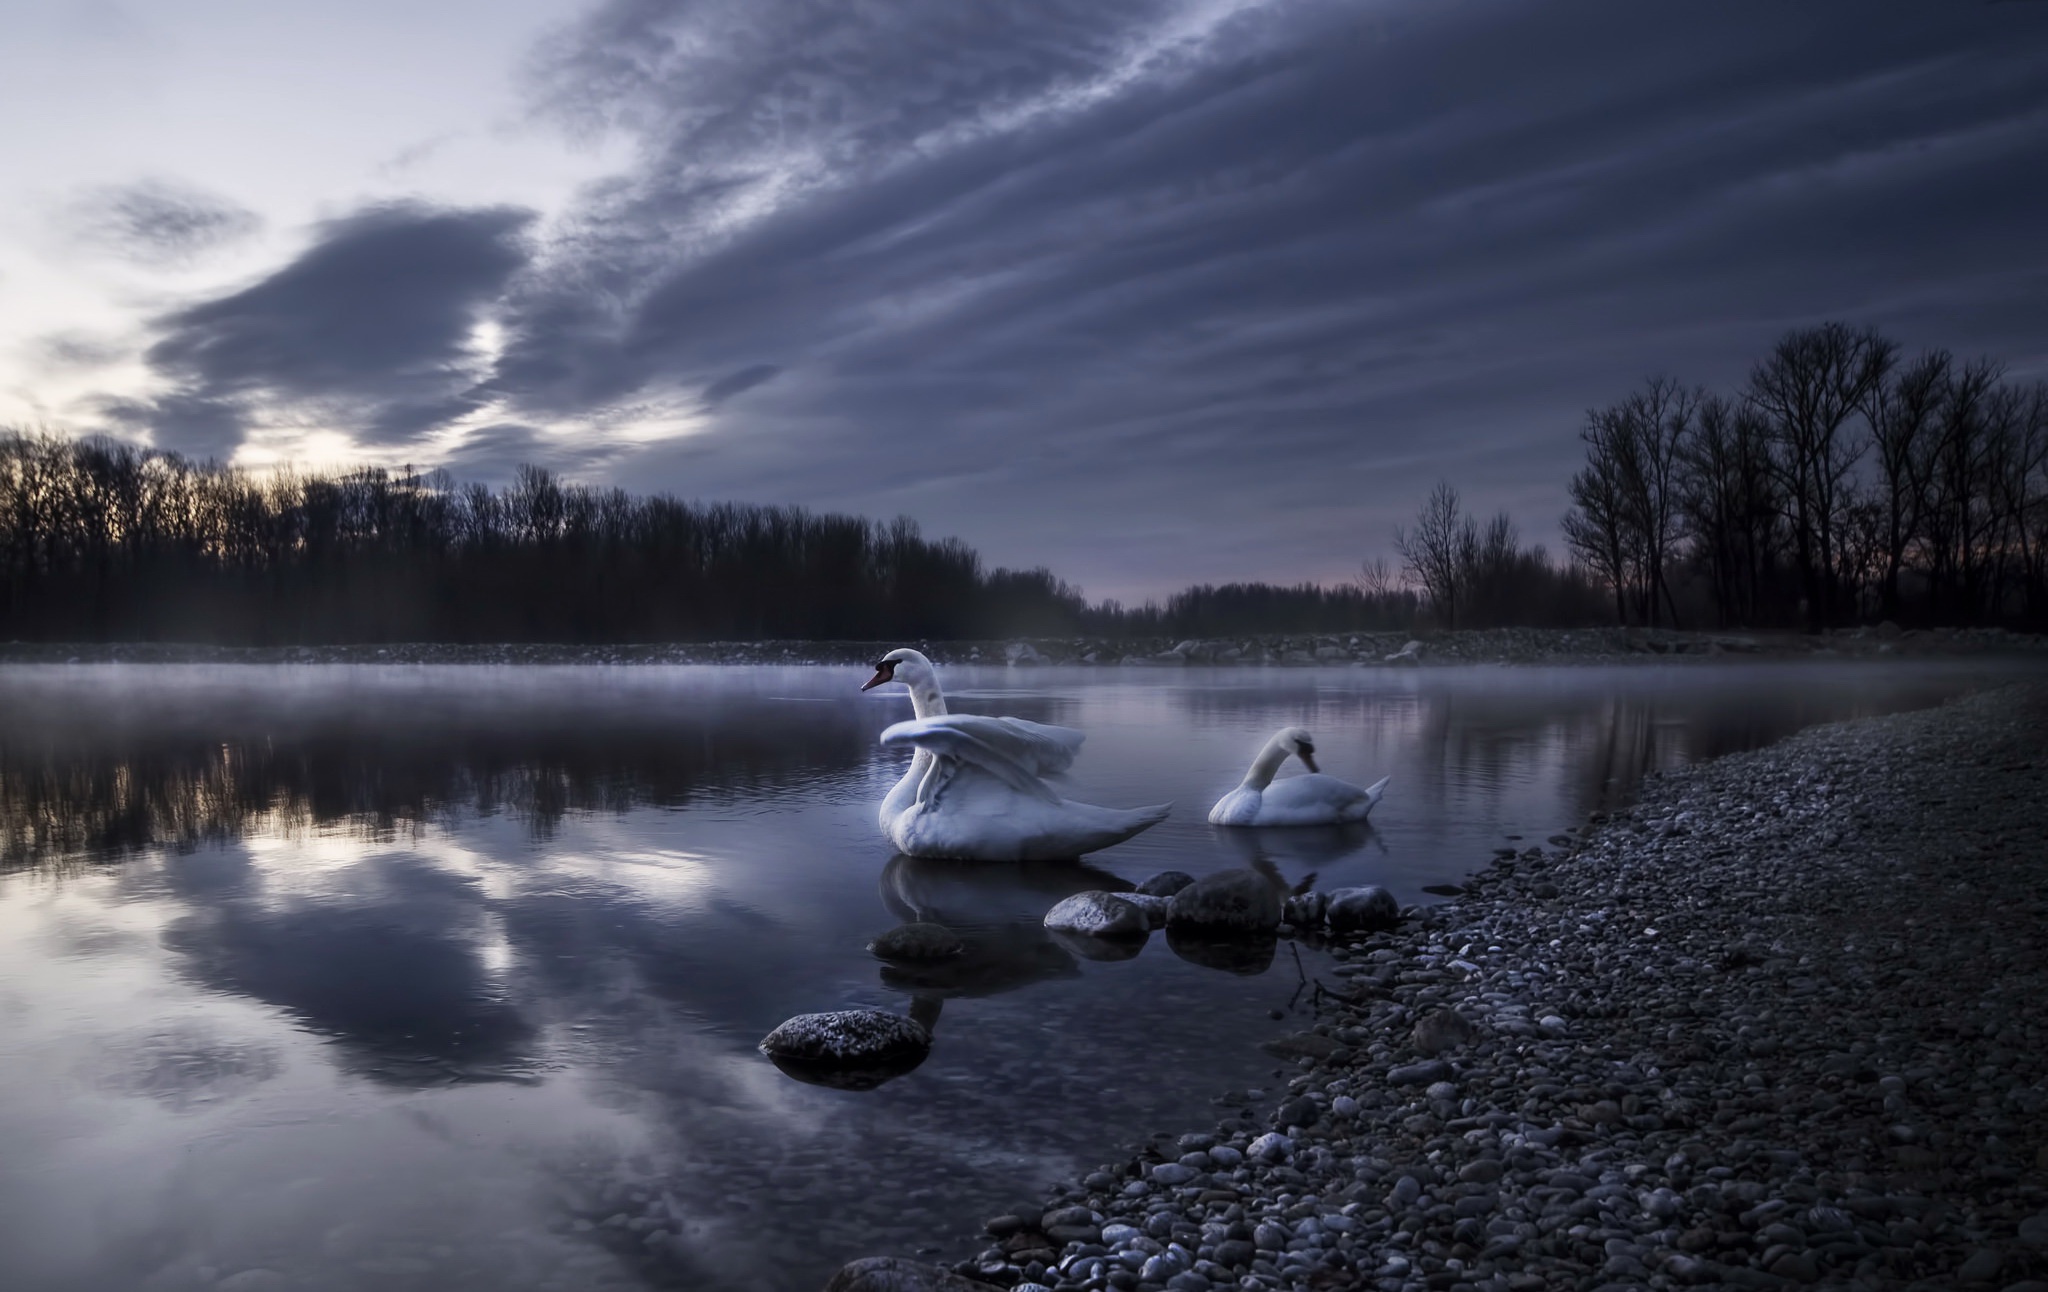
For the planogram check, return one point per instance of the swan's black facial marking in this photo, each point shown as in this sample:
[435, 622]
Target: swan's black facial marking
[1307, 753]
[885, 671]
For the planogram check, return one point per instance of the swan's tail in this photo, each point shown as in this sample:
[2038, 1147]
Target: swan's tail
[1114, 825]
[1375, 792]
[1152, 815]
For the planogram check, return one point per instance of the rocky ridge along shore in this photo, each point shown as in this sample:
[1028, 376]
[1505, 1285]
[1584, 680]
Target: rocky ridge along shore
[1783, 1023]
[1329, 650]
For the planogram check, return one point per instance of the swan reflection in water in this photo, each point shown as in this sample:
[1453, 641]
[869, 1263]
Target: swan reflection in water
[997, 910]
[1301, 851]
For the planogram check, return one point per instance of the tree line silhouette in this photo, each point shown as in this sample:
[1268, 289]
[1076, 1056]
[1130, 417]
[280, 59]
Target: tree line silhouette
[1843, 482]
[104, 541]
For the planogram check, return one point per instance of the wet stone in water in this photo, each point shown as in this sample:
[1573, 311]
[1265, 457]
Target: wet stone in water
[1097, 915]
[918, 942]
[1166, 883]
[889, 1274]
[1229, 901]
[1362, 910]
[854, 1049]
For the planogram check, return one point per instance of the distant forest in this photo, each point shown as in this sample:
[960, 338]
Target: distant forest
[104, 541]
[1841, 484]
[1845, 482]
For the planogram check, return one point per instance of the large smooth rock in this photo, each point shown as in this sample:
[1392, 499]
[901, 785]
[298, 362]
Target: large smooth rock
[1098, 915]
[852, 1049]
[894, 1274]
[1229, 901]
[1361, 910]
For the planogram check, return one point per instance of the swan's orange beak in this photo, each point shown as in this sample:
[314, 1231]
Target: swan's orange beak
[1308, 759]
[883, 673]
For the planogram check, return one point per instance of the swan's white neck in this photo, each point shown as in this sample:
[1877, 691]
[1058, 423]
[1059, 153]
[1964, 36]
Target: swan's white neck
[926, 700]
[1267, 763]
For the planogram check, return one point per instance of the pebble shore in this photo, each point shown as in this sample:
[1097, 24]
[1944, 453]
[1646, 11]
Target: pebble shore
[1783, 1023]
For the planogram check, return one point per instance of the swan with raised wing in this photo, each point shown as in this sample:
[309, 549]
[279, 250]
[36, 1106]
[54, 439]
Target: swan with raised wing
[1311, 799]
[975, 788]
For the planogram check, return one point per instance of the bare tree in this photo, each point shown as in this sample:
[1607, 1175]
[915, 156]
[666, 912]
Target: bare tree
[1626, 521]
[1654, 423]
[1434, 552]
[1954, 512]
[1716, 500]
[1376, 578]
[1903, 413]
[1596, 526]
[1813, 383]
[2025, 495]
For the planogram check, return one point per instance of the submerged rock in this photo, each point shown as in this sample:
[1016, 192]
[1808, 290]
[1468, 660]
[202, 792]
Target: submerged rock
[1249, 954]
[852, 1049]
[1229, 901]
[1361, 910]
[1098, 915]
[893, 1274]
[1153, 908]
[1166, 883]
[1104, 950]
[918, 942]
[1305, 910]
[1301, 1045]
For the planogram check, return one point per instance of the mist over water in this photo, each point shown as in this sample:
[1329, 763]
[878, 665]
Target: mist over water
[396, 977]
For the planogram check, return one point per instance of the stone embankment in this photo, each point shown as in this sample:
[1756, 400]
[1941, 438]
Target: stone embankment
[1784, 1023]
[1340, 650]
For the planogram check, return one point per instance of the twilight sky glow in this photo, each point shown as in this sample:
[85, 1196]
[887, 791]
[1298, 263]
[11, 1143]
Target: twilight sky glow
[1150, 292]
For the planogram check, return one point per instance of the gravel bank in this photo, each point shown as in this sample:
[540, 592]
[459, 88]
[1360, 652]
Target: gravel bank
[1783, 1023]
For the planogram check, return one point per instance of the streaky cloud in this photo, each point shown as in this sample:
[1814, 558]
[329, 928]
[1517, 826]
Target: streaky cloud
[159, 221]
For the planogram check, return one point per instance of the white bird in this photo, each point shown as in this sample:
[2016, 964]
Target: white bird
[975, 786]
[1314, 799]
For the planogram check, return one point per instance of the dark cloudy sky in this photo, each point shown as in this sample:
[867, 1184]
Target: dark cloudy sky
[1149, 292]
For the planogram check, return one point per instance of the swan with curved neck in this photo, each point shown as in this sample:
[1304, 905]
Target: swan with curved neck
[1312, 799]
[975, 787]
[917, 675]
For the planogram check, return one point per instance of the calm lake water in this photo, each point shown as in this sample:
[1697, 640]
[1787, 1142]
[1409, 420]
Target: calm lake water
[364, 977]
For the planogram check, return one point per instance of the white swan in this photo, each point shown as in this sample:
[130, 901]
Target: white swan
[974, 788]
[1314, 799]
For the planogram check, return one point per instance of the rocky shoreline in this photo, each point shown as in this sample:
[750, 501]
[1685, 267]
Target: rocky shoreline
[1341, 650]
[1782, 1023]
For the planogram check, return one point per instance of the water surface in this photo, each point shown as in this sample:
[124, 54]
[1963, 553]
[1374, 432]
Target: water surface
[340, 977]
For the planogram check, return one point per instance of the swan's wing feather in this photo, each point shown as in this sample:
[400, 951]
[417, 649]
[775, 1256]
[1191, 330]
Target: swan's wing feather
[1053, 748]
[1038, 749]
[983, 744]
